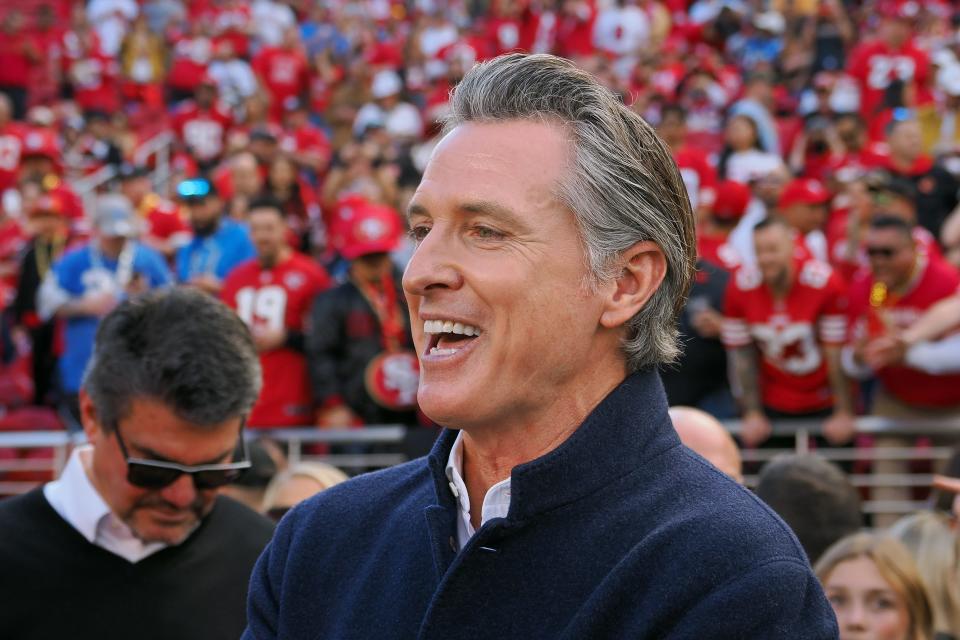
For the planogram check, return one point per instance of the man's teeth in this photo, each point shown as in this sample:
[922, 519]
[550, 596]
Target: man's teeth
[437, 351]
[446, 326]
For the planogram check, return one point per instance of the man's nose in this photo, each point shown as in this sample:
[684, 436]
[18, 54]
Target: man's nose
[434, 265]
[181, 493]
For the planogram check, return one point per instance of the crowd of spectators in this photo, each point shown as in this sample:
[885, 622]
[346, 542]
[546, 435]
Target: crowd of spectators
[819, 142]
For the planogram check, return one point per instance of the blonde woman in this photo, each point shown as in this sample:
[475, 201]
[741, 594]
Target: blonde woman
[294, 485]
[875, 589]
[936, 551]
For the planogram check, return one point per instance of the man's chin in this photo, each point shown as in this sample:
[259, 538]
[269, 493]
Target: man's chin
[438, 403]
[169, 531]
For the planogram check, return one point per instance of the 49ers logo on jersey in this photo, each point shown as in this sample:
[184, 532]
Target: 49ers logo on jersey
[791, 347]
[392, 380]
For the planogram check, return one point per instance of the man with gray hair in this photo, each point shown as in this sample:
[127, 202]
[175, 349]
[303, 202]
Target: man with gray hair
[554, 250]
[132, 540]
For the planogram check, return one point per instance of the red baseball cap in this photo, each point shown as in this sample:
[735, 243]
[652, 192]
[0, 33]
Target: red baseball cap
[41, 142]
[731, 200]
[362, 227]
[804, 191]
[46, 204]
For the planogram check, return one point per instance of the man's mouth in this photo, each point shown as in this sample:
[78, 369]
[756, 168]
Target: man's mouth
[448, 336]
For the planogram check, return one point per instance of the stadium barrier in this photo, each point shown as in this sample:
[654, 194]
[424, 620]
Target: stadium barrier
[379, 446]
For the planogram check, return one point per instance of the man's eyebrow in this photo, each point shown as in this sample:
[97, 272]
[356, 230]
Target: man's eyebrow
[491, 209]
[416, 209]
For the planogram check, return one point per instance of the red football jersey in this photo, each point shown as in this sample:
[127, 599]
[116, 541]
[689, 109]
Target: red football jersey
[163, 219]
[716, 250]
[789, 333]
[285, 73]
[11, 144]
[307, 139]
[698, 175]
[203, 131]
[937, 280]
[94, 79]
[875, 66]
[278, 298]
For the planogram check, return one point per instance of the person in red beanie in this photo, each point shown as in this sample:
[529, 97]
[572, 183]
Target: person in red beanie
[360, 349]
[804, 206]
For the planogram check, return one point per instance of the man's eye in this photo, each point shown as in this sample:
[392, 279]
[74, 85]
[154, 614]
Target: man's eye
[419, 232]
[486, 233]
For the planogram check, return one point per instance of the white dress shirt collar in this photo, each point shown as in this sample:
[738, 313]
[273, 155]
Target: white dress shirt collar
[496, 503]
[77, 501]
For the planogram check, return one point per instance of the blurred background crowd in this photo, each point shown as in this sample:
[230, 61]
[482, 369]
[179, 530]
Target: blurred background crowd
[265, 152]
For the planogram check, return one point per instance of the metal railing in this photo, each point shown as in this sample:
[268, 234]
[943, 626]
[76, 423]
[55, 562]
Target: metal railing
[157, 147]
[386, 440]
[86, 186]
[296, 441]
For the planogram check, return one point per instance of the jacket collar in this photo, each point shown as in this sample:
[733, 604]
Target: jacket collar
[629, 426]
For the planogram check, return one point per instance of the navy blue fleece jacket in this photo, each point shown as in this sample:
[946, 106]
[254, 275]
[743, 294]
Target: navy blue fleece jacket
[620, 532]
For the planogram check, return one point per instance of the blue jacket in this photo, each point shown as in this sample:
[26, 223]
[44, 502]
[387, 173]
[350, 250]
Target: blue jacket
[620, 532]
[84, 271]
[216, 254]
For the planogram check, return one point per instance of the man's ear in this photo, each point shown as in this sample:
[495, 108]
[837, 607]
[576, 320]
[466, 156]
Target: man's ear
[88, 418]
[643, 269]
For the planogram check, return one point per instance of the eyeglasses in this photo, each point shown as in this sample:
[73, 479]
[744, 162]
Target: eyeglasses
[193, 189]
[882, 252]
[154, 474]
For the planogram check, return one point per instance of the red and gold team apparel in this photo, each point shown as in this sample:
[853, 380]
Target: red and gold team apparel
[789, 333]
[278, 298]
[163, 220]
[874, 312]
[11, 144]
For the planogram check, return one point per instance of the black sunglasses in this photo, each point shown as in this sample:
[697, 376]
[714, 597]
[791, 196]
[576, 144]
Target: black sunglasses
[154, 474]
[881, 252]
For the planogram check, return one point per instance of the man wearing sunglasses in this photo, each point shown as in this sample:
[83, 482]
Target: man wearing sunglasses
[135, 519]
[218, 245]
[902, 284]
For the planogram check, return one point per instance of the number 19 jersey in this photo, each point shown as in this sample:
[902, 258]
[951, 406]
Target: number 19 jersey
[278, 298]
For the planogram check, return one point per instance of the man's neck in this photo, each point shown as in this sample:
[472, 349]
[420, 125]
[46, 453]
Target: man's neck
[781, 286]
[272, 260]
[490, 455]
[902, 163]
[112, 248]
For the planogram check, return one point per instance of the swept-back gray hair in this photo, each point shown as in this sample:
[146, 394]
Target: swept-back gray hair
[623, 186]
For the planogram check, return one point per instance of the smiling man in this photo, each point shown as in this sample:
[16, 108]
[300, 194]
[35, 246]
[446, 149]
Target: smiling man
[555, 248]
[132, 540]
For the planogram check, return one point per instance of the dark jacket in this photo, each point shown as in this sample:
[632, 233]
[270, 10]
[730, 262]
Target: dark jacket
[343, 336]
[620, 532]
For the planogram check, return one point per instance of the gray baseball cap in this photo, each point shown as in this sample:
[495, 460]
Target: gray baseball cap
[113, 216]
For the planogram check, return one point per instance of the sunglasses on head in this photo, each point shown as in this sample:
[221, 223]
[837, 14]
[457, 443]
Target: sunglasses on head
[156, 474]
[881, 252]
[193, 189]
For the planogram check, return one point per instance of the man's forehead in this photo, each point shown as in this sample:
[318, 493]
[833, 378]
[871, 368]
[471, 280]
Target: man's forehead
[509, 164]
